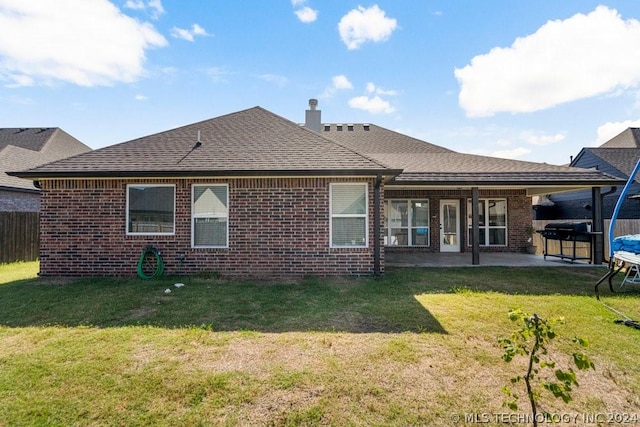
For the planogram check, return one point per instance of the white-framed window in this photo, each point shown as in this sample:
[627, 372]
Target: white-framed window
[349, 222]
[492, 222]
[151, 209]
[210, 216]
[407, 222]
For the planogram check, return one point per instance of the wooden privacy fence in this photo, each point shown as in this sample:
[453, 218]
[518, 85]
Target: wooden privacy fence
[19, 236]
[623, 227]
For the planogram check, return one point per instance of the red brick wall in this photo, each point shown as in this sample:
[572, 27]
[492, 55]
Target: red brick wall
[277, 226]
[519, 215]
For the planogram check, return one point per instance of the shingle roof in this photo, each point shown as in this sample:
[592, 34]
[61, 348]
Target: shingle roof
[256, 141]
[629, 138]
[428, 163]
[252, 141]
[369, 138]
[22, 148]
[622, 159]
[28, 138]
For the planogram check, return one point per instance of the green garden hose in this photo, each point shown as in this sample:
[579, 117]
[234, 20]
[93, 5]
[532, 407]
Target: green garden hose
[157, 267]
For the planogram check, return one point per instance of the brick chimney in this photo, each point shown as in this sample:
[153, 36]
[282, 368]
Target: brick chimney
[312, 119]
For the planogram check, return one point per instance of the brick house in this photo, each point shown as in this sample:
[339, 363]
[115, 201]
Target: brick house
[254, 193]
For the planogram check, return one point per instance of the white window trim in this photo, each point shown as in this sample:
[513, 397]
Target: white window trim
[409, 226]
[487, 227]
[194, 216]
[126, 224]
[365, 215]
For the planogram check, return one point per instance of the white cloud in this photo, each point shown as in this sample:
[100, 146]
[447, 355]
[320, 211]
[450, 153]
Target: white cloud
[140, 97]
[374, 105]
[372, 102]
[511, 154]
[564, 60]
[339, 82]
[371, 88]
[361, 25]
[280, 81]
[154, 6]
[134, 4]
[611, 129]
[189, 34]
[87, 43]
[218, 74]
[306, 14]
[542, 140]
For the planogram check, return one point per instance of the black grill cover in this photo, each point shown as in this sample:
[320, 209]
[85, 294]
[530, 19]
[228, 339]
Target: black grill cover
[567, 231]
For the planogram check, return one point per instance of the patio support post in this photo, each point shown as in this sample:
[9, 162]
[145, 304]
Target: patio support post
[475, 227]
[376, 225]
[597, 227]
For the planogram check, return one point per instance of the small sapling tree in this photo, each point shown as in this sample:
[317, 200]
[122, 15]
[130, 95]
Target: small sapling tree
[530, 340]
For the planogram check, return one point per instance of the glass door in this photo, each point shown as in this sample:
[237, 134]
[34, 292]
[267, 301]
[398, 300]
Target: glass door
[449, 225]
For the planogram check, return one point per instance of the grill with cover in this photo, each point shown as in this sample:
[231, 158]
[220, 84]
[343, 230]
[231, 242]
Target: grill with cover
[572, 232]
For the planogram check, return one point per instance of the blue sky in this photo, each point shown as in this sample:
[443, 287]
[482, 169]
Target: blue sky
[530, 80]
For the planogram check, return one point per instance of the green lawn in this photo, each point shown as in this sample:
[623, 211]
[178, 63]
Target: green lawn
[415, 347]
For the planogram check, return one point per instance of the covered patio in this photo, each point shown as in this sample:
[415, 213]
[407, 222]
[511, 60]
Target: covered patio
[500, 259]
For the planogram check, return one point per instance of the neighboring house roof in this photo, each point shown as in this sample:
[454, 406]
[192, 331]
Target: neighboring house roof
[22, 148]
[629, 138]
[249, 142]
[428, 164]
[622, 160]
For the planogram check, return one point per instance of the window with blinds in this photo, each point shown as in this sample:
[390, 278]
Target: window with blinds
[210, 216]
[349, 219]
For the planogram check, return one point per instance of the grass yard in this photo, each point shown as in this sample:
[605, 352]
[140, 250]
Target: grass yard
[415, 347]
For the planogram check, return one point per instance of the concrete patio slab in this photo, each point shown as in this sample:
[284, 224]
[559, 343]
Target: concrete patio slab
[437, 259]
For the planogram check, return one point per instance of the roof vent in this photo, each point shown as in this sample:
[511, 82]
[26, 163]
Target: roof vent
[350, 127]
[339, 127]
[365, 126]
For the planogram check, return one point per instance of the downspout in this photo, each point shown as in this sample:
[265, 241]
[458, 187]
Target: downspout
[376, 225]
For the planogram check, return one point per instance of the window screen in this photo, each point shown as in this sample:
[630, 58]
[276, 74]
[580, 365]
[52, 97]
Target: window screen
[150, 209]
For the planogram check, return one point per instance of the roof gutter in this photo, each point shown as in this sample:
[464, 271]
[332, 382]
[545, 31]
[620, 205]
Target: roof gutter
[20, 189]
[36, 175]
[511, 183]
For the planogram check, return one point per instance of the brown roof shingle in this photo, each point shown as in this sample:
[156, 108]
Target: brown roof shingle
[426, 163]
[252, 141]
[629, 138]
[22, 148]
